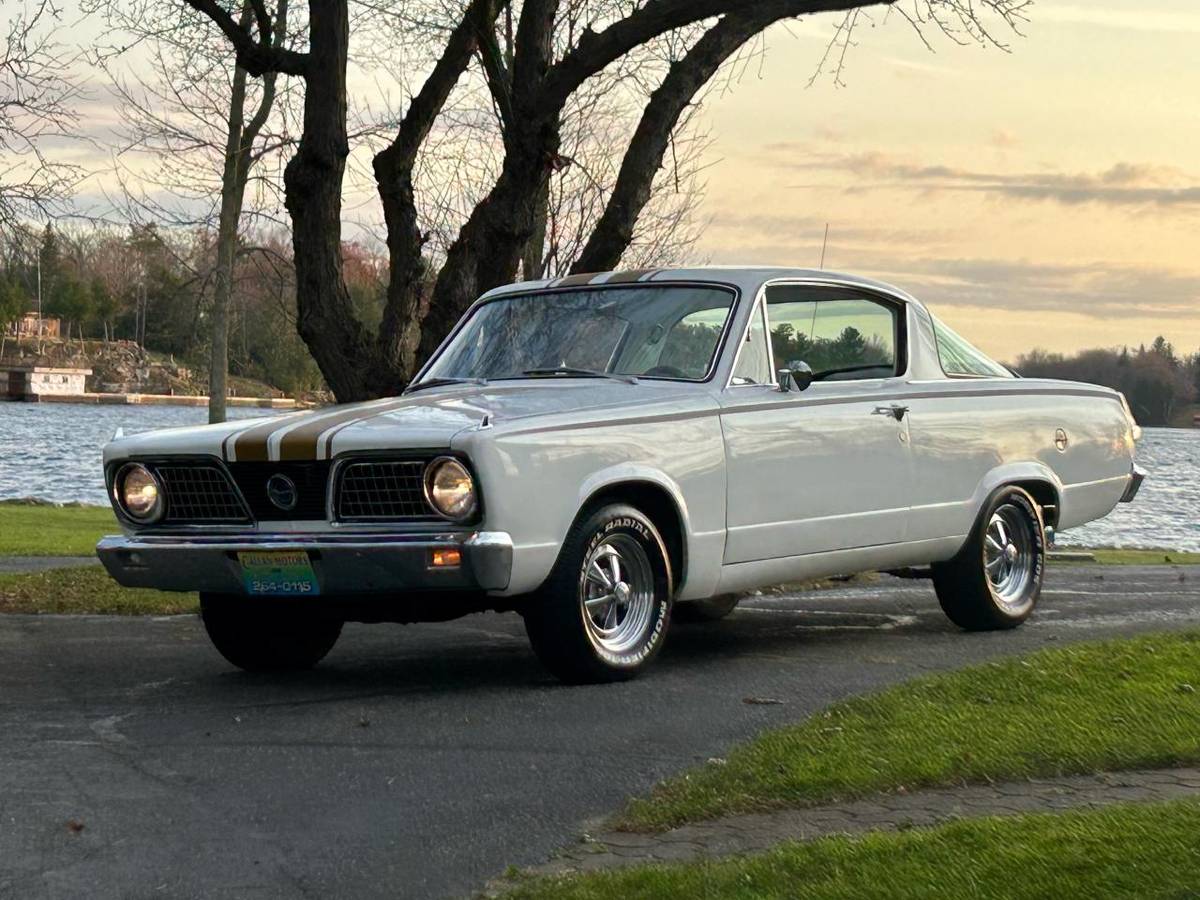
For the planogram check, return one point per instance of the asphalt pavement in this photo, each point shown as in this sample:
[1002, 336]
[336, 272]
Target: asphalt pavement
[421, 760]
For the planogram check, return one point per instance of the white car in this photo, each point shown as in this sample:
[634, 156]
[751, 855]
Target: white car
[602, 452]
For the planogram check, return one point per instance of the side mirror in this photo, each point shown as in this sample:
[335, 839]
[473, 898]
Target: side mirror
[797, 376]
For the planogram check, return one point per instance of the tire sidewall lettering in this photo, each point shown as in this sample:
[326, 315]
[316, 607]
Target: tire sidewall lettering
[648, 538]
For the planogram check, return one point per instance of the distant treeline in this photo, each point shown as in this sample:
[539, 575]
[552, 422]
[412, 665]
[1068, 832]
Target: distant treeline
[1159, 383]
[155, 286]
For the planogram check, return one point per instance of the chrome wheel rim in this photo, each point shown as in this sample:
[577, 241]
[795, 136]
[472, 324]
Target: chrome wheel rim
[617, 594]
[1009, 557]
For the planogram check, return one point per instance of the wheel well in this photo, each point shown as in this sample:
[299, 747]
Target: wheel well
[1046, 496]
[657, 503]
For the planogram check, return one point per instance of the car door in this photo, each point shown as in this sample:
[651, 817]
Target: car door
[829, 467]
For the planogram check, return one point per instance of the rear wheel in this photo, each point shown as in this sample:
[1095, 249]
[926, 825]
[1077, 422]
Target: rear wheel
[996, 579]
[603, 613]
[259, 636]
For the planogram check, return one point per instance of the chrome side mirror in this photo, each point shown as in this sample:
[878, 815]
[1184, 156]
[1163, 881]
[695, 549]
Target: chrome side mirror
[797, 376]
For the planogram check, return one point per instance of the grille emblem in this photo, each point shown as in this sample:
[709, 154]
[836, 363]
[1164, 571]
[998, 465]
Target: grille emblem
[282, 492]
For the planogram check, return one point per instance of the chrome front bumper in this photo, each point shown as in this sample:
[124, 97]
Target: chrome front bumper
[1136, 477]
[345, 564]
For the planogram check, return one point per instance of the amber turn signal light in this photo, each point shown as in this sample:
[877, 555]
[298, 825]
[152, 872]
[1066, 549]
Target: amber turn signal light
[445, 559]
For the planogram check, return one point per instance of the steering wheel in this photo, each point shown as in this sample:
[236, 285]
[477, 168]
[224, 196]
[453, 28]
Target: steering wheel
[665, 372]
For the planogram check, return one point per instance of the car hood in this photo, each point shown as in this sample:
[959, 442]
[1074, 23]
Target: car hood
[427, 419]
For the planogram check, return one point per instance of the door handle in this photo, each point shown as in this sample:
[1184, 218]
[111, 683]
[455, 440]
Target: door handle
[896, 411]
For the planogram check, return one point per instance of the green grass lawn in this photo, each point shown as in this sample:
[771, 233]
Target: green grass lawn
[43, 530]
[1092, 707]
[1140, 852]
[1110, 557]
[86, 590]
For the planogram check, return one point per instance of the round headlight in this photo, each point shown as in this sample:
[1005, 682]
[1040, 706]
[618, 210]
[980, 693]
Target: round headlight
[450, 489]
[138, 493]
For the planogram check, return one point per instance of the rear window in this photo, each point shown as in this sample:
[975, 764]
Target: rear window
[960, 357]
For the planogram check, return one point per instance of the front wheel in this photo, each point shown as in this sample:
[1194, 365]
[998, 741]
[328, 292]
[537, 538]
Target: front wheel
[261, 636]
[603, 613]
[996, 579]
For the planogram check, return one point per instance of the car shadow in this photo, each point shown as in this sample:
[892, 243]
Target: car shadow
[489, 653]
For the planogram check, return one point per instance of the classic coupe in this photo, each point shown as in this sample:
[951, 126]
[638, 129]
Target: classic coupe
[603, 453]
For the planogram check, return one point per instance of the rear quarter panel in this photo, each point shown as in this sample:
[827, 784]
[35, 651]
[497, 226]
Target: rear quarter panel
[970, 436]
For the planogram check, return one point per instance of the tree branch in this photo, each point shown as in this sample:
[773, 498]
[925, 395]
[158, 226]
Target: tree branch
[644, 156]
[400, 325]
[499, 80]
[253, 56]
[597, 49]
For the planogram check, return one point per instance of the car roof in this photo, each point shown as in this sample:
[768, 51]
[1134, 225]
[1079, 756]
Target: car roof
[747, 278]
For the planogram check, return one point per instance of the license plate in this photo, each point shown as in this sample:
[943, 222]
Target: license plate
[279, 573]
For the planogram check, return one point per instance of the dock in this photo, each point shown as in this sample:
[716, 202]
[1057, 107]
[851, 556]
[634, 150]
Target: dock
[45, 384]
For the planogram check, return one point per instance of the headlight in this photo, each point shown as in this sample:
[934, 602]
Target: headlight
[450, 489]
[137, 493]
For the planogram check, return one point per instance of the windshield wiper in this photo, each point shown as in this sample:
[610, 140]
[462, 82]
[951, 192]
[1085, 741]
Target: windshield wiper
[572, 371]
[438, 382]
[845, 369]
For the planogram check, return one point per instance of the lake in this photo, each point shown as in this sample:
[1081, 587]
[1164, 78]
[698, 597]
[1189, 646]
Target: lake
[52, 451]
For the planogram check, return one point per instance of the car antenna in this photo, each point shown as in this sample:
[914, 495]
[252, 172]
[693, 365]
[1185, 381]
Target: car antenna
[824, 244]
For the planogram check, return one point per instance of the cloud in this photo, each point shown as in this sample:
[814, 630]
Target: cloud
[922, 263]
[1123, 184]
[1096, 289]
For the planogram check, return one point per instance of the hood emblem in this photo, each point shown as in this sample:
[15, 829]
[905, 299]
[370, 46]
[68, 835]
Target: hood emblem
[281, 491]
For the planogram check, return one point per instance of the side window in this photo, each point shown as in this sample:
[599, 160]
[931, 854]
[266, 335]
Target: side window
[754, 362]
[841, 337]
[961, 358]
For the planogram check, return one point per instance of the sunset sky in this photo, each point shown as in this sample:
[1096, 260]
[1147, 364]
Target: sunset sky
[1048, 196]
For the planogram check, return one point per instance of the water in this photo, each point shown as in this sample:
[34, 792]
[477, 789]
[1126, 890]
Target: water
[52, 451]
[1166, 512]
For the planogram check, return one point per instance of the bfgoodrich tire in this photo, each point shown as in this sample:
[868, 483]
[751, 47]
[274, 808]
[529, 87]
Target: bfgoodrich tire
[603, 613]
[995, 581]
[261, 636]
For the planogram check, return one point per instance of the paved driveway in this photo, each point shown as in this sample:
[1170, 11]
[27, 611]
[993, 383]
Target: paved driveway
[418, 761]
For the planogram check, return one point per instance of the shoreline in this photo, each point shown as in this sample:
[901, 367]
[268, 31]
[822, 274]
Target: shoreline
[134, 399]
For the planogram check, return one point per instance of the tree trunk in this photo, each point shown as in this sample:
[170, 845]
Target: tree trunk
[227, 233]
[326, 321]
[612, 235]
[533, 259]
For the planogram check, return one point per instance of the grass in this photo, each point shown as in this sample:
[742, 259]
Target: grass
[1112, 557]
[1104, 706]
[1121, 852]
[29, 529]
[86, 590]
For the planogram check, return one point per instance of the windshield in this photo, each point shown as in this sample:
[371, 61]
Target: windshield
[649, 331]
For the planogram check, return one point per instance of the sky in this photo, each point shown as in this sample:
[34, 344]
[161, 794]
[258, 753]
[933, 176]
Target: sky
[1044, 196]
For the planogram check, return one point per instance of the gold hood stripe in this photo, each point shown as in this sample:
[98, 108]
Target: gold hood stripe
[630, 275]
[253, 444]
[301, 443]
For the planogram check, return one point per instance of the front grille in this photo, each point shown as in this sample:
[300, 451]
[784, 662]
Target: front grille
[199, 494]
[383, 490]
[310, 478]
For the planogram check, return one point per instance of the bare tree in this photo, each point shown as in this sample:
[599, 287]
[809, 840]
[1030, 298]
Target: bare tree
[531, 86]
[36, 96]
[194, 112]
